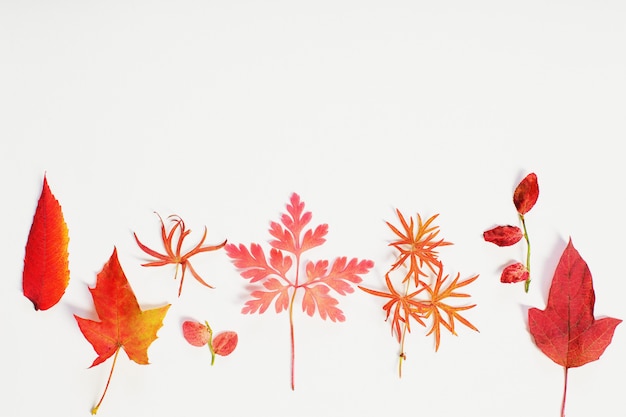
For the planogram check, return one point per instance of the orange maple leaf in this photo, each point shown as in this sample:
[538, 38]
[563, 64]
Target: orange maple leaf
[122, 322]
[173, 252]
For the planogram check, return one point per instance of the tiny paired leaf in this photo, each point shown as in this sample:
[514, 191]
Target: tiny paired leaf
[46, 266]
[503, 235]
[513, 273]
[198, 334]
[526, 194]
[566, 331]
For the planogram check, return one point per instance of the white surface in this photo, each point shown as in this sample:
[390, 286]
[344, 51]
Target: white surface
[217, 111]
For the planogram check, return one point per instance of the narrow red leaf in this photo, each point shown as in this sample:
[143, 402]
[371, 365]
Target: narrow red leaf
[46, 266]
[503, 235]
[526, 194]
[513, 273]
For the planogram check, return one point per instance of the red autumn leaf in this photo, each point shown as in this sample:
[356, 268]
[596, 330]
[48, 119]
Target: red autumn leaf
[276, 287]
[567, 331]
[122, 322]
[224, 343]
[46, 266]
[524, 197]
[503, 235]
[526, 194]
[513, 273]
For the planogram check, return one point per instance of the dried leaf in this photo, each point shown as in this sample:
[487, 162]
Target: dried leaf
[224, 343]
[421, 299]
[513, 273]
[526, 194]
[46, 266]
[198, 334]
[290, 241]
[122, 322]
[173, 254]
[503, 235]
[567, 331]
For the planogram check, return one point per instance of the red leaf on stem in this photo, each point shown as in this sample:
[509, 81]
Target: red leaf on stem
[513, 273]
[526, 194]
[503, 235]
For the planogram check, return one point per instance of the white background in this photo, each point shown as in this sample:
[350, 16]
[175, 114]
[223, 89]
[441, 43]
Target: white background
[218, 111]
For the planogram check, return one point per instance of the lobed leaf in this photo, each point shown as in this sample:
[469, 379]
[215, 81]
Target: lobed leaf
[566, 331]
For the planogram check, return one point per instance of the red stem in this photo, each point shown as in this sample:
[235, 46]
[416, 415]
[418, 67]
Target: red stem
[564, 394]
[291, 328]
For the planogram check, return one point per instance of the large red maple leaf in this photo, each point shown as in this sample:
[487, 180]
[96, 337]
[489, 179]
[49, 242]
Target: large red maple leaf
[566, 331]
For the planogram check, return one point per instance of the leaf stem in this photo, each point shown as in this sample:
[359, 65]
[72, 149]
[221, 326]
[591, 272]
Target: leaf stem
[404, 327]
[564, 394]
[291, 327]
[210, 343]
[95, 409]
[527, 283]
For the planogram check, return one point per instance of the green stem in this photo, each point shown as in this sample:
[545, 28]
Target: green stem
[527, 283]
[210, 343]
[95, 409]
